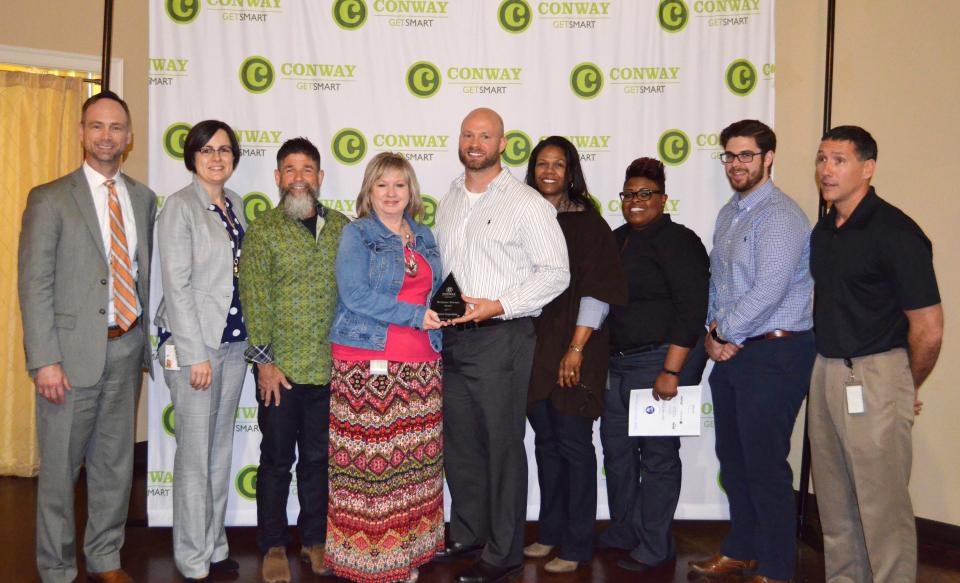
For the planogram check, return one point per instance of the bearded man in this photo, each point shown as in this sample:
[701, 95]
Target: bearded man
[288, 292]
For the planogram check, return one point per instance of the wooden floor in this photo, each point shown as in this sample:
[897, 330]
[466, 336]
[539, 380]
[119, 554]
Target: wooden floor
[147, 554]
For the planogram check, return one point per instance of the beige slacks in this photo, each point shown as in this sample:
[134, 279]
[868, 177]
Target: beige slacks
[861, 468]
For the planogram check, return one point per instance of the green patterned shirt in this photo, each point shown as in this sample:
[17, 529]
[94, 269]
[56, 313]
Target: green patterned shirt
[288, 291]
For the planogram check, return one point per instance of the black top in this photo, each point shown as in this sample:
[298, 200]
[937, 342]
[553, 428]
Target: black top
[594, 272]
[668, 278]
[866, 273]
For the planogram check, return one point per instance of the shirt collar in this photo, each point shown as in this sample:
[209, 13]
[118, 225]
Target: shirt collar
[95, 179]
[496, 183]
[654, 228]
[755, 198]
[860, 215]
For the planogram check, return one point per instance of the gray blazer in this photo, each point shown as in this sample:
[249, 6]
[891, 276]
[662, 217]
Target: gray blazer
[196, 268]
[62, 276]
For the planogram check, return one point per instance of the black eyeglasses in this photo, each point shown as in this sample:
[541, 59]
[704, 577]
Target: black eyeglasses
[642, 194]
[746, 157]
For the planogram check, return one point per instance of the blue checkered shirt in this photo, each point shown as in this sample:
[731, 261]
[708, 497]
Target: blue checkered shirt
[760, 266]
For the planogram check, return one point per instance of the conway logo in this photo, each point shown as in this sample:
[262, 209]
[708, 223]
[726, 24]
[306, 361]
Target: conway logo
[255, 204]
[182, 11]
[173, 139]
[349, 14]
[423, 79]
[673, 15]
[517, 151]
[586, 80]
[673, 147]
[741, 77]
[246, 483]
[349, 146]
[257, 74]
[514, 16]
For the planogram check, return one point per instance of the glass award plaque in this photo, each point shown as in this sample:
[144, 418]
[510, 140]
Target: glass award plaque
[447, 302]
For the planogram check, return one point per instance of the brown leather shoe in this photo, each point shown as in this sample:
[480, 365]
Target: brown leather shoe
[315, 555]
[275, 567]
[115, 576]
[762, 579]
[718, 565]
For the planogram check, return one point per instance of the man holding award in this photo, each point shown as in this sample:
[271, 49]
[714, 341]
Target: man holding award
[505, 257]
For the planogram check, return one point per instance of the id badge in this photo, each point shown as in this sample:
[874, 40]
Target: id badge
[855, 404]
[170, 357]
[378, 367]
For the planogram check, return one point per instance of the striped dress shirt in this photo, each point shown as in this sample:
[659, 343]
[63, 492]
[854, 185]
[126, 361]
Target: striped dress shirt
[760, 266]
[506, 246]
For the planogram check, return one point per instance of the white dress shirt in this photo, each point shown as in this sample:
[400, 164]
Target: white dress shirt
[506, 246]
[100, 195]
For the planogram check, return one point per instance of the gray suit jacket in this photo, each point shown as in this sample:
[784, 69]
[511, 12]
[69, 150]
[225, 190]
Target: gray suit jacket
[196, 267]
[62, 276]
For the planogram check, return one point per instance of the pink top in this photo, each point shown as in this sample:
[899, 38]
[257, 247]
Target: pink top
[404, 344]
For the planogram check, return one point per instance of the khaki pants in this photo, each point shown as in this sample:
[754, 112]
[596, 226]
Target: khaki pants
[861, 468]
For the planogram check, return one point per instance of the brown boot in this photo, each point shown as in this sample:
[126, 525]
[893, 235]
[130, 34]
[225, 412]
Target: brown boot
[115, 576]
[315, 555]
[275, 566]
[719, 565]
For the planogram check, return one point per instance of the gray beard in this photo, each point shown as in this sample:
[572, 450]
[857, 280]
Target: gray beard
[298, 208]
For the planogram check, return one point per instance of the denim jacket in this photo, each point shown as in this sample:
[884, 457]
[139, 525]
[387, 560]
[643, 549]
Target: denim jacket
[369, 276]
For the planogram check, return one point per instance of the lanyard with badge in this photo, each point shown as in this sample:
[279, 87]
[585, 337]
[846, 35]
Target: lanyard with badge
[854, 390]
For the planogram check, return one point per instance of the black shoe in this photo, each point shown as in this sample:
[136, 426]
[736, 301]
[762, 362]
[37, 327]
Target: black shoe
[630, 564]
[227, 565]
[201, 580]
[454, 549]
[481, 572]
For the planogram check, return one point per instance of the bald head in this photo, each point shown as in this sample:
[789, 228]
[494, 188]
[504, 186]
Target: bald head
[486, 117]
[482, 142]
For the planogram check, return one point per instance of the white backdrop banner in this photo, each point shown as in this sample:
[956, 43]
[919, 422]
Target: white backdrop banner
[620, 78]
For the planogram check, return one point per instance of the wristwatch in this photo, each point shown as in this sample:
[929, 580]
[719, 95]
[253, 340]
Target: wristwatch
[715, 336]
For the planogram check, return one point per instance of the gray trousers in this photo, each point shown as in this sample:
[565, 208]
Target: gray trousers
[486, 372]
[93, 427]
[861, 468]
[204, 427]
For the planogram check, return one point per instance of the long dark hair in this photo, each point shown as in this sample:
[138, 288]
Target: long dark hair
[576, 186]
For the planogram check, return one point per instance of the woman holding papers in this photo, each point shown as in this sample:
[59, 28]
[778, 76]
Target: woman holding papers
[570, 361]
[656, 343]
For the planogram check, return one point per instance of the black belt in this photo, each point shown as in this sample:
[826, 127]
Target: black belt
[776, 334]
[637, 350]
[485, 323]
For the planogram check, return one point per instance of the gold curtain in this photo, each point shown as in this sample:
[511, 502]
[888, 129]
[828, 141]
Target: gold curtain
[39, 117]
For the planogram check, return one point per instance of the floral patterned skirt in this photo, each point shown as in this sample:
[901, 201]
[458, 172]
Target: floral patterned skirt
[386, 470]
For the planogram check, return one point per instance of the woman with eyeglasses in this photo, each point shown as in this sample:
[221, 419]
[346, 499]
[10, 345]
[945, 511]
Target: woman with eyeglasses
[570, 361]
[201, 342]
[656, 342]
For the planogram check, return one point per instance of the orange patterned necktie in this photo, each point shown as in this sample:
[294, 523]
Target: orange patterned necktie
[124, 294]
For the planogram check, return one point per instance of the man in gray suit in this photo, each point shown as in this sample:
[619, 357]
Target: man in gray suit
[84, 278]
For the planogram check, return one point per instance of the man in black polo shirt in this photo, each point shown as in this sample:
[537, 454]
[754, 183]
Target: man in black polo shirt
[879, 324]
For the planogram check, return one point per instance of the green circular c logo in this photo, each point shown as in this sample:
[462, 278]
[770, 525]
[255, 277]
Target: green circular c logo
[349, 14]
[514, 16]
[586, 80]
[429, 211]
[173, 139]
[182, 11]
[741, 77]
[247, 482]
[673, 15]
[256, 74]
[673, 147]
[595, 202]
[255, 204]
[349, 146]
[423, 79]
[518, 148]
[168, 420]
